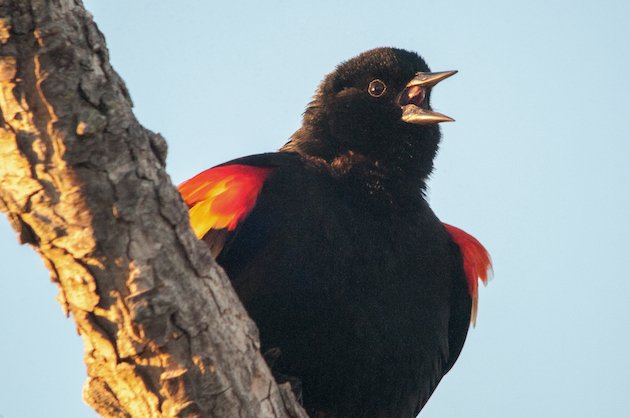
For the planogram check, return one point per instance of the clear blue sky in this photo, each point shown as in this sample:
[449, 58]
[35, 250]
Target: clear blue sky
[536, 166]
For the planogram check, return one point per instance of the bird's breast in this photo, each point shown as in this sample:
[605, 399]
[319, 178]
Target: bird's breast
[343, 284]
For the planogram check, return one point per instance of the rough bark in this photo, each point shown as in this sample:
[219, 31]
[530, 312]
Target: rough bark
[84, 184]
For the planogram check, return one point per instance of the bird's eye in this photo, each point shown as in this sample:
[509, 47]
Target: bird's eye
[376, 88]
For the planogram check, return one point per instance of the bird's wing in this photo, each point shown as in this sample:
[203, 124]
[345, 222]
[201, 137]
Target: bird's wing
[476, 261]
[220, 198]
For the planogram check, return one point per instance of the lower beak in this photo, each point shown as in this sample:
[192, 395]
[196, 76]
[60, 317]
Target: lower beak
[413, 99]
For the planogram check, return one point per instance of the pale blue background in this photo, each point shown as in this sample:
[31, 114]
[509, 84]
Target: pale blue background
[536, 167]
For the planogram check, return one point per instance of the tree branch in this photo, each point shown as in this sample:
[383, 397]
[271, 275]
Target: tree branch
[84, 184]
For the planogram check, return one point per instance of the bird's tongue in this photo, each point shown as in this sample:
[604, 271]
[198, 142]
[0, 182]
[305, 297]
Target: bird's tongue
[414, 95]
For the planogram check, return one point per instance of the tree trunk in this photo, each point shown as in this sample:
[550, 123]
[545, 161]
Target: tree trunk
[84, 184]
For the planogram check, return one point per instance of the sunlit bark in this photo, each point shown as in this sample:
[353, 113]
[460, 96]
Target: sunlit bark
[84, 184]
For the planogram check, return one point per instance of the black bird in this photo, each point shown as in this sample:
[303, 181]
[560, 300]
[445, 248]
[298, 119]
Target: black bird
[358, 290]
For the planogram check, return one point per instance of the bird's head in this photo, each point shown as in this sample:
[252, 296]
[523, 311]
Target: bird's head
[376, 106]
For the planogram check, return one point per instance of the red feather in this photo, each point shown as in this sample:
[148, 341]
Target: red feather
[477, 263]
[221, 197]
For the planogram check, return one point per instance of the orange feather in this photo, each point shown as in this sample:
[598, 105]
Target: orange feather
[221, 197]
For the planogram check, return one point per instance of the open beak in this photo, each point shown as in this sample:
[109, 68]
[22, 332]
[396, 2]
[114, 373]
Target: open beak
[413, 99]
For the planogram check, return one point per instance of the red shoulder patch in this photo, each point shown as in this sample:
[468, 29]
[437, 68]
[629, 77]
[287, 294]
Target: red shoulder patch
[477, 263]
[221, 197]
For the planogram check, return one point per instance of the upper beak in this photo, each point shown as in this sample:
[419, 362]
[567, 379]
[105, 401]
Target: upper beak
[412, 99]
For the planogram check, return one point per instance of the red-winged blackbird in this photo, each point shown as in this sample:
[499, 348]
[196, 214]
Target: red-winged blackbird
[358, 289]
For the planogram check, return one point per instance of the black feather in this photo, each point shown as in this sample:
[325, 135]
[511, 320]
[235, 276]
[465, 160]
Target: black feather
[356, 287]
